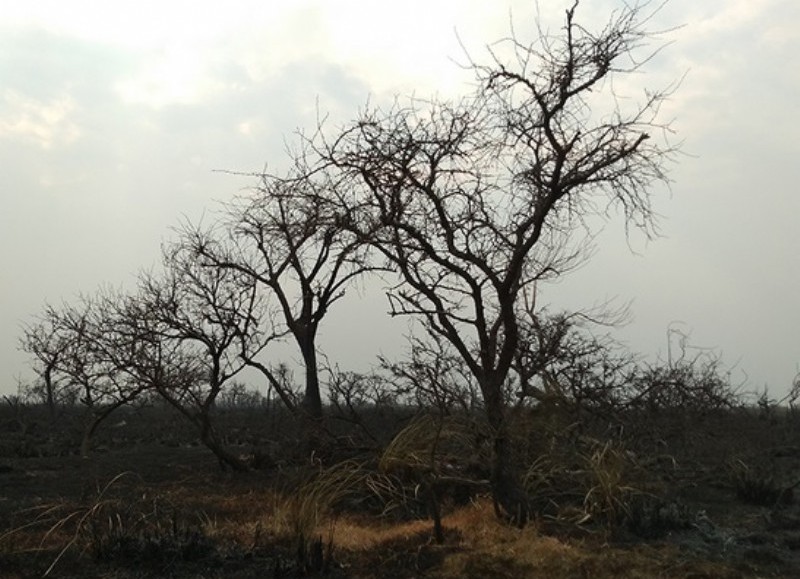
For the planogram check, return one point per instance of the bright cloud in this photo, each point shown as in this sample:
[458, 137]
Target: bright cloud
[176, 76]
[46, 124]
[181, 44]
[732, 15]
[140, 25]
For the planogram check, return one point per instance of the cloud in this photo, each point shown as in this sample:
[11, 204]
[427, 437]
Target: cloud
[732, 16]
[46, 124]
[95, 209]
[174, 77]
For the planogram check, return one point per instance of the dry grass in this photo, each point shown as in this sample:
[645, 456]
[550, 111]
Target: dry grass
[477, 544]
[250, 524]
[594, 483]
[359, 535]
[299, 512]
[480, 546]
[64, 526]
[427, 443]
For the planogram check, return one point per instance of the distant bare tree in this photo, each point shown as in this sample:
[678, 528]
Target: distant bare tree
[81, 358]
[474, 201]
[47, 345]
[432, 375]
[560, 360]
[690, 384]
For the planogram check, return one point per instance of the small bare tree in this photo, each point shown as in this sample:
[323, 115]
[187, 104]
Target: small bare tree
[560, 359]
[474, 201]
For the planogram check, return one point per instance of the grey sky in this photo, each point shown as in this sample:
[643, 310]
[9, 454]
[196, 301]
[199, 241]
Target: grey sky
[114, 116]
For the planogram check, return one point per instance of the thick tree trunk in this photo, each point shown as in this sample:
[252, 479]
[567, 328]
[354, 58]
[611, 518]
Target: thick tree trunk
[509, 496]
[226, 459]
[507, 490]
[311, 406]
[312, 399]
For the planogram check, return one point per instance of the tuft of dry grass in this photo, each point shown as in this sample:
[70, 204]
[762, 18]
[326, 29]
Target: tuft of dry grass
[609, 494]
[119, 523]
[63, 526]
[427, 443]
[302, 511]
[757, 485]
[590, 484]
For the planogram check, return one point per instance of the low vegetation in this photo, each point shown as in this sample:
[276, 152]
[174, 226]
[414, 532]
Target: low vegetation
[716, 501]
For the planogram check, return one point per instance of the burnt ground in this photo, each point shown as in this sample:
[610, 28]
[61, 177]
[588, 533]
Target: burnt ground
[710, 496]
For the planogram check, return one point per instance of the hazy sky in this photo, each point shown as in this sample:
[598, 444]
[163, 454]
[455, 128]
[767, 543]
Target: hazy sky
[114, 117]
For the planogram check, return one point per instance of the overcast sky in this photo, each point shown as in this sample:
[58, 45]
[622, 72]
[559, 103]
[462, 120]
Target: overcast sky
[116, 116]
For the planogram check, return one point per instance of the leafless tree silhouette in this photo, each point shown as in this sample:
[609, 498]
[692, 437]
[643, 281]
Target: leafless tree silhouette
[77, 343]
[474, 201]
[195, 325]
[295, 248]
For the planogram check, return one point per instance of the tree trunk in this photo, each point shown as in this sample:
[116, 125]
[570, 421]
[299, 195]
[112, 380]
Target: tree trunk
[94, 418]
[51, 401]
[507, 490]
[509, 496]
[86, 444]
[311, 406]
[434, 509]
[92, 422]
[226, 459]
[312, 399]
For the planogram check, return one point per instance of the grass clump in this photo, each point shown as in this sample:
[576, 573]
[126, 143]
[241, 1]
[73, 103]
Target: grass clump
[651, 517]
[432, 453]
[590, 485]
[301, 513]
[755, 486]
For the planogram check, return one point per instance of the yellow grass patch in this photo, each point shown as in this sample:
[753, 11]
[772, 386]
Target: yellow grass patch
[480, 546]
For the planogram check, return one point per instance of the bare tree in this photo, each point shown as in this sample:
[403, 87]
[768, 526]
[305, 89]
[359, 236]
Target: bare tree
[47, 345]
[192, 326]
[80, 360]
[474, 201]
[294, 246]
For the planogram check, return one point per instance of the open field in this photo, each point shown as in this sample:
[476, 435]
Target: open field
[693, 498]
